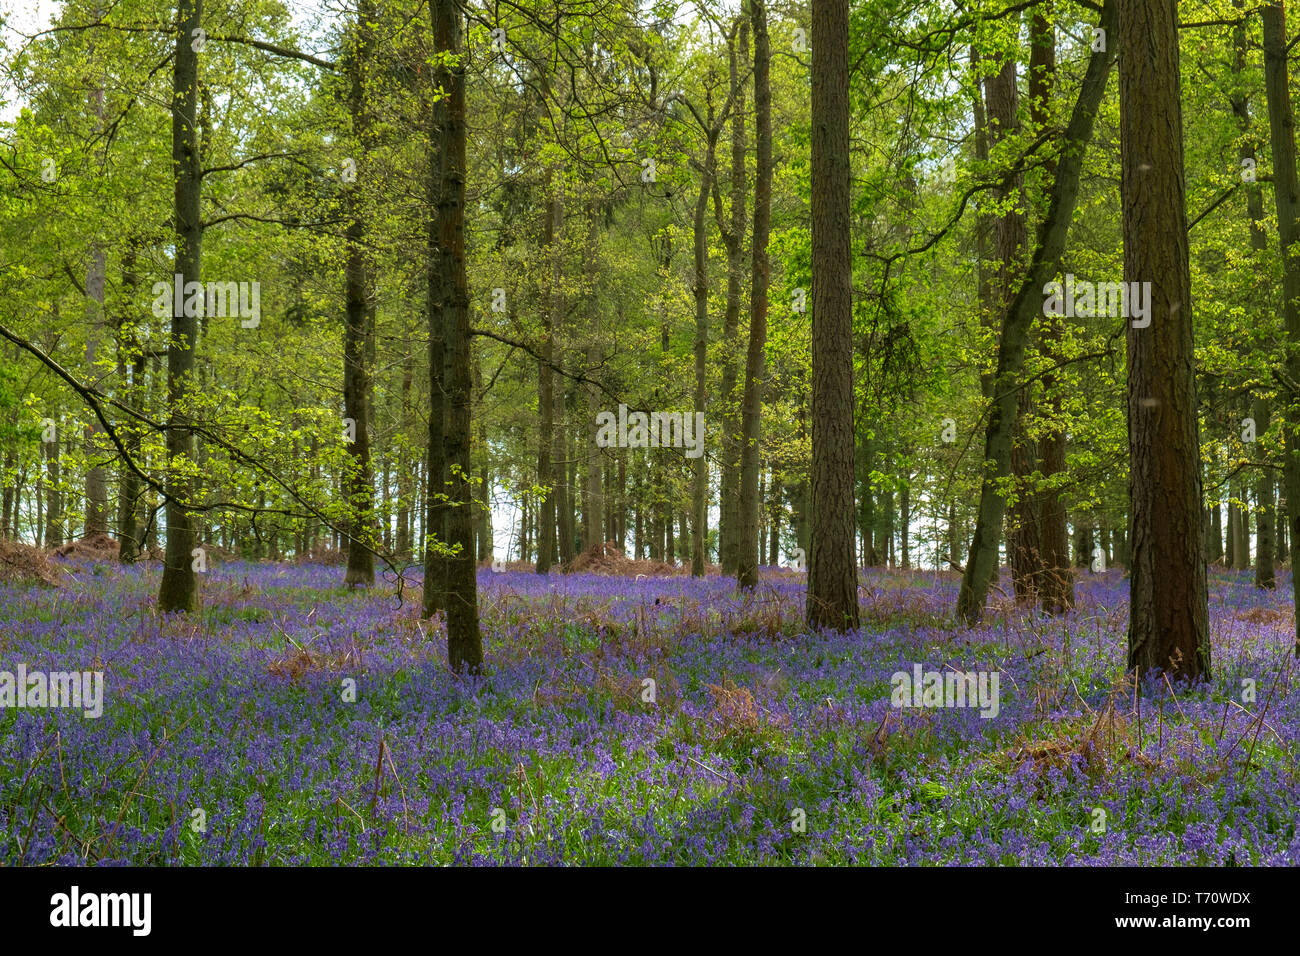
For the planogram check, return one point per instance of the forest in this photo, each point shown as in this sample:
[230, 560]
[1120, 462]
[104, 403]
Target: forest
[603, 432]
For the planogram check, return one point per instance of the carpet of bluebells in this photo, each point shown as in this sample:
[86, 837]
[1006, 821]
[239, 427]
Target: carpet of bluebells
[649, 721]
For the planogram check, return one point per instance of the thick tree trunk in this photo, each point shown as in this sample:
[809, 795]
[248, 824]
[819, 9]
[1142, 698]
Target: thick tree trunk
[1168, 610]
[358, 330]
[464, 641]
[434, 500]
[832, 598]
[179, 589]
[755, 370]
[1286, 192]
[1016, 322]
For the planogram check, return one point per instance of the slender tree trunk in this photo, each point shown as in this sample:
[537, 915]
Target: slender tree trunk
[774, 520]
[1017, 319]
[1261, 411]
[563, 483]
[483, 531]
[96, 479]
[1168, 610]
[179, 589]
[734, 240]
[405, 465]
[1265, 544]
[747, 539]
[53, 535]
[130, 356]
[548, 468]
[594, 499]
[700, 467]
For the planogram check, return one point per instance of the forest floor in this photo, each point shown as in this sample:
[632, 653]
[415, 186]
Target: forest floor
[623, 720]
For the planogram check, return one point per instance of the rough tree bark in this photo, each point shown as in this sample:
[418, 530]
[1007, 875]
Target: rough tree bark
[358, 331]
[179, 589]
[464, 640]
[733, 239]
[832, 599]
[747, 522]
[1286, 192]
[1261, 410]
[1167, 588]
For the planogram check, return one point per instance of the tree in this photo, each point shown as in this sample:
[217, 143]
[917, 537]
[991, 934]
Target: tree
[755, 358]
[1286, 192]
[1016, 321]
[358, 332]
[464, 641]
[179, 590]
[1057, 581]
[832, 572]
[1167, 598]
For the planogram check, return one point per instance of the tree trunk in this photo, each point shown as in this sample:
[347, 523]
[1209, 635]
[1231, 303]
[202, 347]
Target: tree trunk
[1010, 236]
[1056, 580]
[700, 467]
[905, 519]
[53, 498]
[1168, 609]
[358, 330]
[130, 356]
[594, 499]
[563, 485]
[464, 640]
[1261, 411]
[1265, 545]
[747, 524]
[179, 589]
[402, 545]
[734, 240]
[1016, 322]
[1286, 192]
[832, 597]
[96, 480]
[435, 507]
